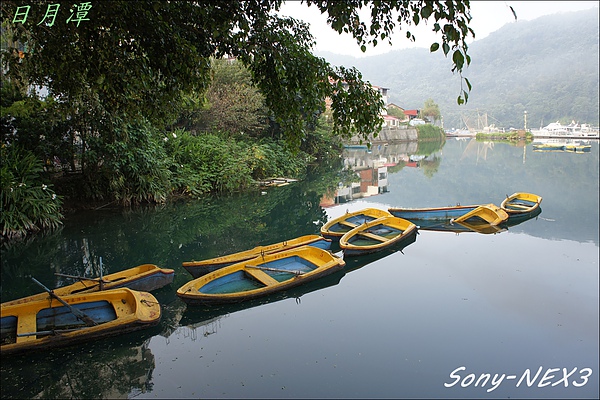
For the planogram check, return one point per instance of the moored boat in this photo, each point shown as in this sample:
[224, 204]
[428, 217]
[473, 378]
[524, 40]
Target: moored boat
[145, 277]
[485, 213]
[521, 203]
[261, 276]
[431, 213]
[337, 227]
[49, 323]
[200, 268]
[376, 235]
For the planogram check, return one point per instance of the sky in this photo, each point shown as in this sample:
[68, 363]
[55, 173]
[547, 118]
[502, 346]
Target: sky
[487, 17]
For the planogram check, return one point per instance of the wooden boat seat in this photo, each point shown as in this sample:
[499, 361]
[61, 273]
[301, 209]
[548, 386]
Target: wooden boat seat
[373, 236]
[513, 205]
[348, 224]
[26, 324]
[261, 276]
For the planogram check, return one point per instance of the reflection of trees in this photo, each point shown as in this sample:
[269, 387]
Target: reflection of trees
[477, 149]
[430, 166]
[106, 369]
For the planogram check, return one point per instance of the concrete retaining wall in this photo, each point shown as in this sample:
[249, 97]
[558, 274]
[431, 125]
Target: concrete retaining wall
[390, 135]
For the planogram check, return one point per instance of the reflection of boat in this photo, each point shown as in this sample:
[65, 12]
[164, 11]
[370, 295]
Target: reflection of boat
[485, 213]
[521, 203]
[336, 228]
[578, 148]
[376, 235]
[261, 276]
[43, 324]
[200, 268]
[548, 146]
[145, 277]
[516, 219]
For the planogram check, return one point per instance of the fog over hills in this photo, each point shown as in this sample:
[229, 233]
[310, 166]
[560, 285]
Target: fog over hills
[548, 67]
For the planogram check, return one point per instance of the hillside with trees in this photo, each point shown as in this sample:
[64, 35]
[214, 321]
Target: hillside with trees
[547, 67]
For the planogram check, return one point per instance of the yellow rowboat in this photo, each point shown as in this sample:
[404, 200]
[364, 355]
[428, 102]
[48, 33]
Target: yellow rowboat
[336, 228]
[43, 324]
[521, 203]
[376, 235]
[487, 213]
[145, 277]
[261, 276]
[200, 268]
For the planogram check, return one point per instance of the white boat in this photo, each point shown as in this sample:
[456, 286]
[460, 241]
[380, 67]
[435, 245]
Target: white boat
[573, 130]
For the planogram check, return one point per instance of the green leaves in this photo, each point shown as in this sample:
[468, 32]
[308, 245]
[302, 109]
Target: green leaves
[27, 202]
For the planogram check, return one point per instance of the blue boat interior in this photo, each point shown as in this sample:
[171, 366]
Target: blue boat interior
[518, 204]
[63, 318]
[240, 281]
[59, 318]
[369, 237]
[346, 225]
[235, 282]
[322, 244]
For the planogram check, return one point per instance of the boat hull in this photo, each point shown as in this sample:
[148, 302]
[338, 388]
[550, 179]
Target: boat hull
[377, 235]
[144, 278]
[260, 276]
[201, 268]
[336, 228]
[44, 324]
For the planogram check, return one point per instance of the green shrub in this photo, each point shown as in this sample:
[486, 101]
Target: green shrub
[136, 166]
[211, 163]
[27, 203]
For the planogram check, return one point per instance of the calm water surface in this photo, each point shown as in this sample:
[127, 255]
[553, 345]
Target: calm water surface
[427, 321]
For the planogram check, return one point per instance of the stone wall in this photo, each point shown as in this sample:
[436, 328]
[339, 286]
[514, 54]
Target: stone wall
[391, 135]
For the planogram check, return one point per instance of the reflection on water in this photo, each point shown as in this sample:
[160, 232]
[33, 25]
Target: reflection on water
[106, 369]
[400, 320]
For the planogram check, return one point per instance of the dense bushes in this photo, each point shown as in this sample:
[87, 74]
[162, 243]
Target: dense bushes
[28, 202]
[210, 163]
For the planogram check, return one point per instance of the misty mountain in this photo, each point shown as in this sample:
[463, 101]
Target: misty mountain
[547, 67]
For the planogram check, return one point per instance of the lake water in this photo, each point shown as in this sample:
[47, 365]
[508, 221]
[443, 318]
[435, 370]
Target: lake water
[429, 321]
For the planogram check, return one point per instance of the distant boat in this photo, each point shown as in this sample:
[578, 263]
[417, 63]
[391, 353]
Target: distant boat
[200, 268]
[376, 235]
[556, 129]
[337, 227]
[261, 276]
